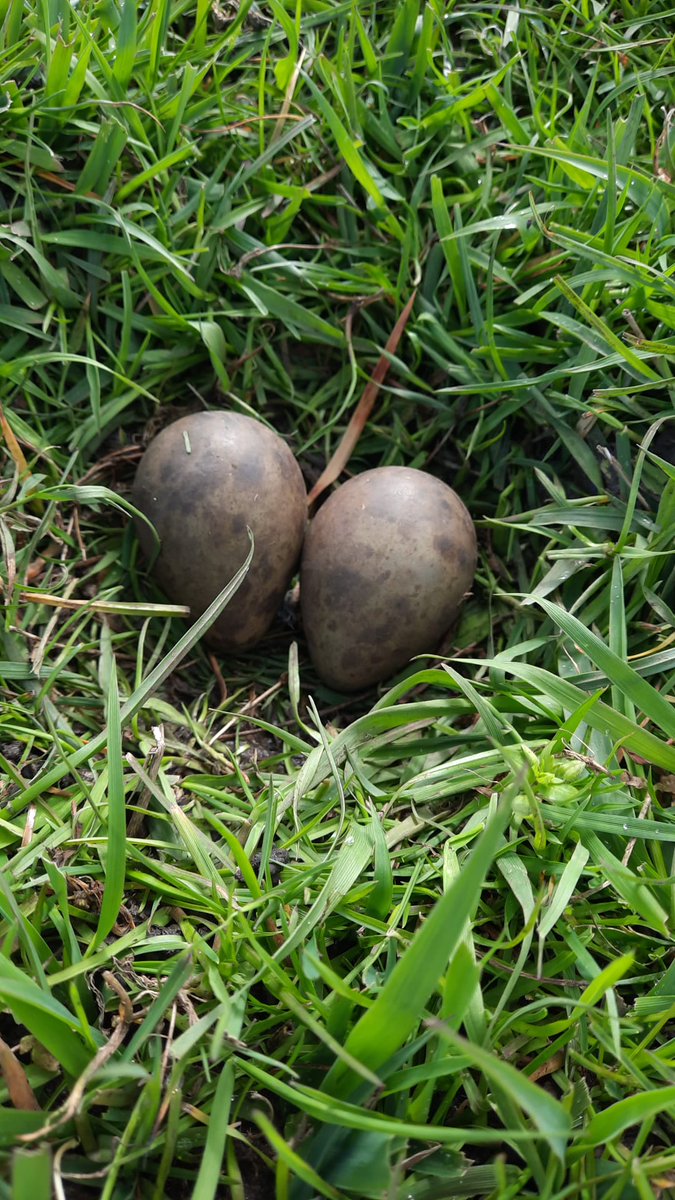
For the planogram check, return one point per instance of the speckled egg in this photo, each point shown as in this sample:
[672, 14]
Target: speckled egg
[202, 481]
[386, 564]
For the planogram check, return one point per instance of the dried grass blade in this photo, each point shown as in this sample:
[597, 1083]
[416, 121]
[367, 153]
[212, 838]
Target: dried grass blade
[344, 451]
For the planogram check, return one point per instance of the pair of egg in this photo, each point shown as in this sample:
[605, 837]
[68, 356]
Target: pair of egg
[385, 562]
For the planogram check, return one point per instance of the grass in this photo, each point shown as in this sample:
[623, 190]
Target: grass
[257, 940]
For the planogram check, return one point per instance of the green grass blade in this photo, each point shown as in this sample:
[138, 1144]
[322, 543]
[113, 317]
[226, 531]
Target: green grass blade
[347, 147]
[637, 894]
[640, 367]
[609, 1124]
[331, 1111]
[384, 1028]
[208, 1179]
[601, 716]
[32, 1174]
[547, 1114]
[631, 685]
[126, 44]
[116, 828]
[348, 865]
[44, 1017]
[564, 889]
[176, 979]
[292, 1161]
[145, 690]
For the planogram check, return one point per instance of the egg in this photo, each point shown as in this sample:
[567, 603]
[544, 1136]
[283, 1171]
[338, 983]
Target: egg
[386, 564]
[201, 482]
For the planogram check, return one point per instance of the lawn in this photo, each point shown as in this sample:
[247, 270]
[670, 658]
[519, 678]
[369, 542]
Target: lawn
[260, 939]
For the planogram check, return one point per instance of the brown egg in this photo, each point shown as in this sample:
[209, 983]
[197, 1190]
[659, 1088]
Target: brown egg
[201, 482]
[386, 563]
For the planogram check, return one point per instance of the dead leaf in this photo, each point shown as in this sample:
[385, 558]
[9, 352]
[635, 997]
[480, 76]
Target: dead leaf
[39, 1054]
[344, 451]
[548, 1068]
[18, 457]
[16, 453]
[9, 555]
[21, 1093]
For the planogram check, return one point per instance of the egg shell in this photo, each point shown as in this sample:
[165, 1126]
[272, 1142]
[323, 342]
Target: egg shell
[202, 481]
[385, 566]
